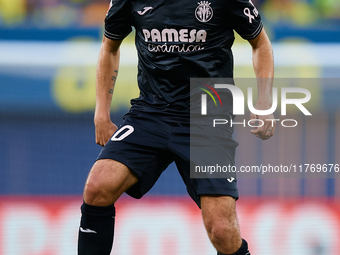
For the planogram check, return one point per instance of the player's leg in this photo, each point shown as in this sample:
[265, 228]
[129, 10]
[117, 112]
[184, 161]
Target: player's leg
[131, 163]
[215, 196]
[107, 181]
[220, 221]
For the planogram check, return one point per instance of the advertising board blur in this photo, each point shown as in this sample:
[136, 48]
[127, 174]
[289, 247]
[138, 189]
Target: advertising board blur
[170, 225]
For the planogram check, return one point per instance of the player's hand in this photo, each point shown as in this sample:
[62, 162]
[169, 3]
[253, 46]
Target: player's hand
[104, 130]
[267, 130]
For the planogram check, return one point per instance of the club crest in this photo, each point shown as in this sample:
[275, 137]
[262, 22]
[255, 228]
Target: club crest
[203, 12]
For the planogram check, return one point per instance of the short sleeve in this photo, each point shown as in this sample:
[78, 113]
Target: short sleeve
[245, 19]
[118, 20]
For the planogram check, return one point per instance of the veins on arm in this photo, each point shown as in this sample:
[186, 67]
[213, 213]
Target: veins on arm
[113, 79]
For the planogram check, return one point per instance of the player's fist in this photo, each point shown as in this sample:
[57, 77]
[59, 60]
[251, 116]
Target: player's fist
[104, 130]
[266, 130]
[265, 123]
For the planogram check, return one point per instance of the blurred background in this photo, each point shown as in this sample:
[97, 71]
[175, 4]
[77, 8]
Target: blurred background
[48, 54]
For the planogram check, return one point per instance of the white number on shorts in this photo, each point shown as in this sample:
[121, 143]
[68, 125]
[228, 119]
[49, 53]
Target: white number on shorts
[129, 129]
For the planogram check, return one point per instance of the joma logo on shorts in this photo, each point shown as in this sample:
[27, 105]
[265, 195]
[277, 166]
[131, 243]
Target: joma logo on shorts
[172, 35]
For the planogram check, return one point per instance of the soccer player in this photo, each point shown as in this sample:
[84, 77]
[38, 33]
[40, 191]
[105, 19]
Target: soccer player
[175, 41]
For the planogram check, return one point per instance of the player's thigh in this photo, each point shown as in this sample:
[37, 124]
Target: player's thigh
[107, 181]
[219, 211]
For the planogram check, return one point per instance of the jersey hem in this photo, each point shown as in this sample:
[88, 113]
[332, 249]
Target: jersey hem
[255, 34]
[114, 36]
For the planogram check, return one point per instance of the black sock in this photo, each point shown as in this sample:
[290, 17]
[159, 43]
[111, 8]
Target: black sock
[96, 230]
[242, 251]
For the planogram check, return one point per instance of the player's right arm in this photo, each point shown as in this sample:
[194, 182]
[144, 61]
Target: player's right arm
[107, 71]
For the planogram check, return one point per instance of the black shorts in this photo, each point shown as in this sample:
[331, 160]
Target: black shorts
[147, 143]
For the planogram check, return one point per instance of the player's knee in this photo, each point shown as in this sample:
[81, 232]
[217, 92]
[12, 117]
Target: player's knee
[218, 232]
[222, 232]
[95, 194]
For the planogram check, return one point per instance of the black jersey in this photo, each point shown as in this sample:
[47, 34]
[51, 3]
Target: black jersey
[178, 40]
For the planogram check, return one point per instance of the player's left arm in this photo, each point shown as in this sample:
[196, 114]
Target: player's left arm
[263, 63]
